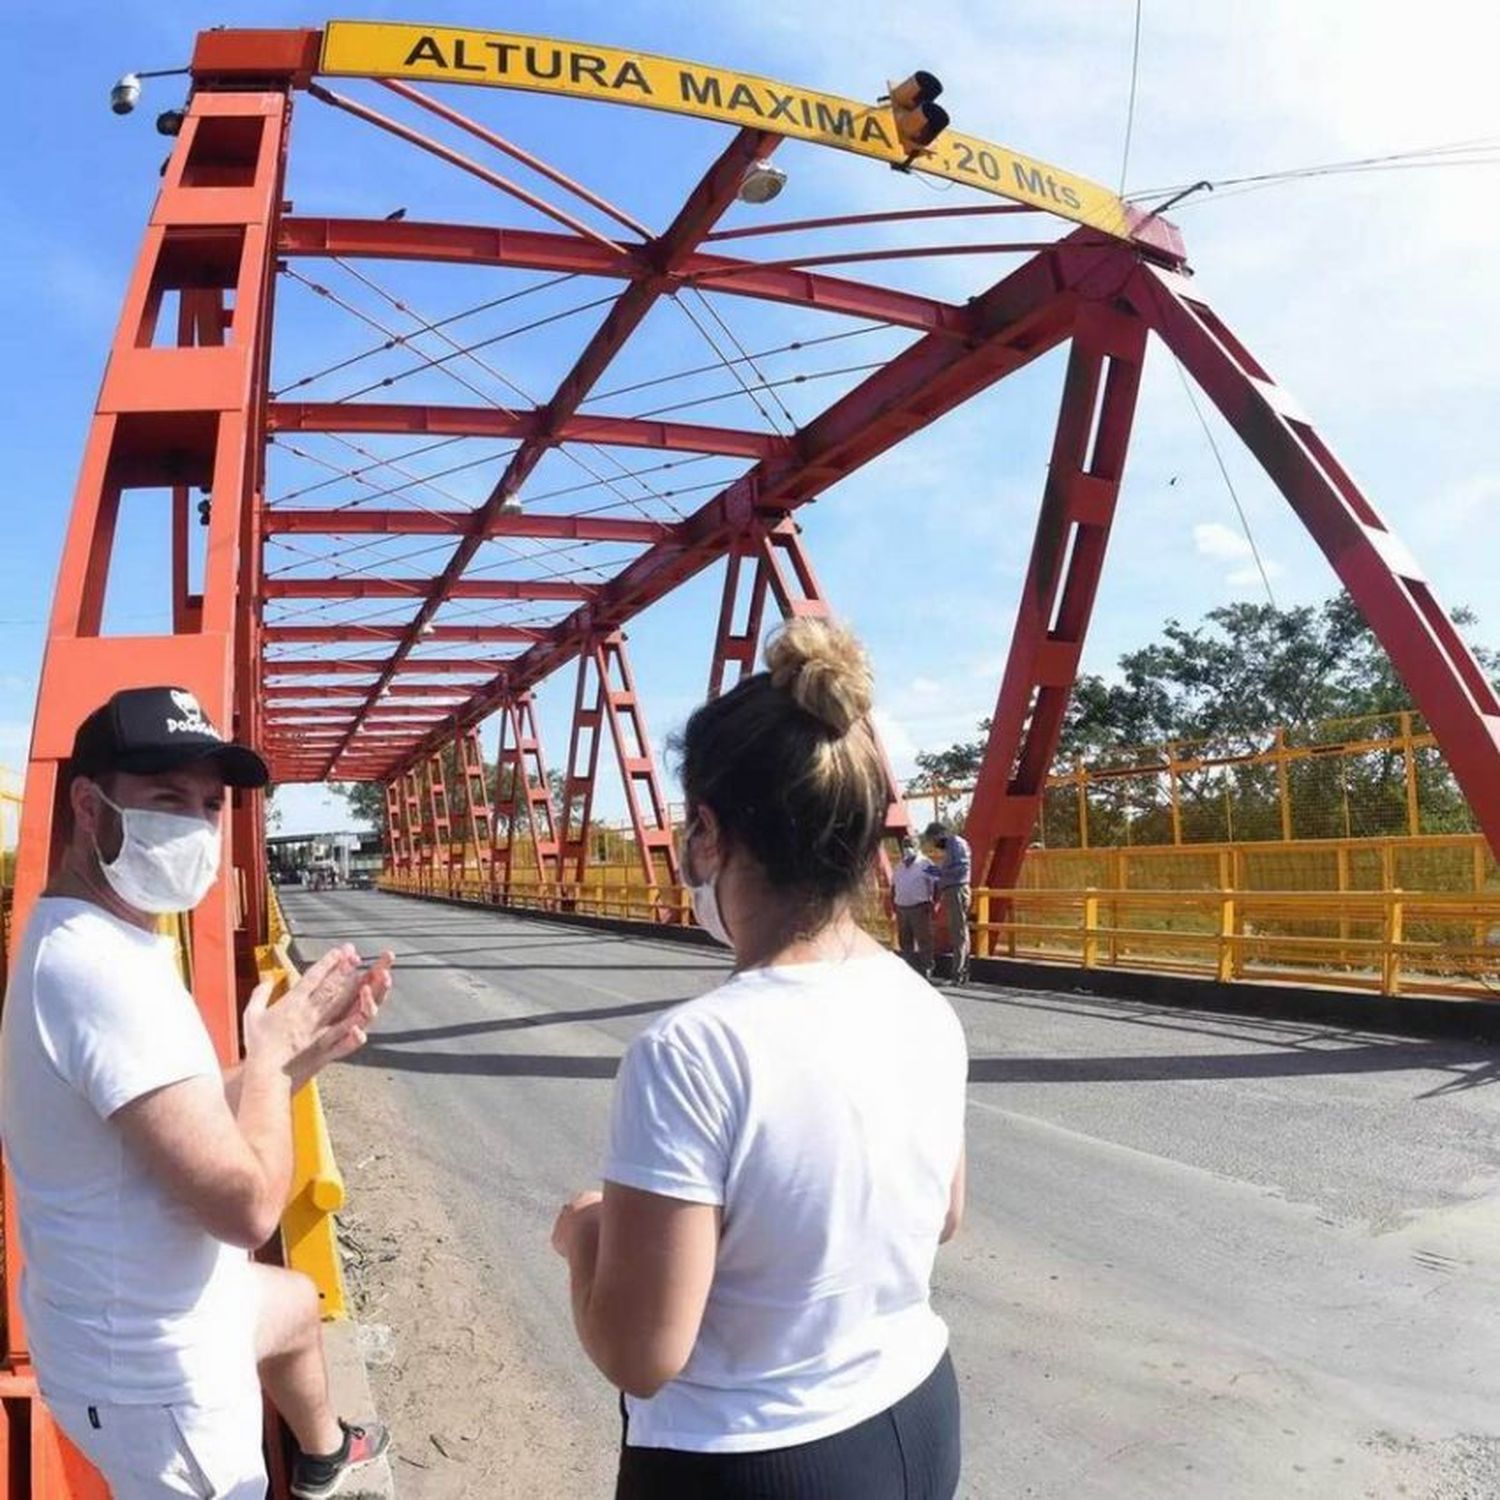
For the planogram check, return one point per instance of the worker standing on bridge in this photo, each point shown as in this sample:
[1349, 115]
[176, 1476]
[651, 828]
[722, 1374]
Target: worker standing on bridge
[954, 892]
[913, 890]
[786, 1152]
[143, 1173]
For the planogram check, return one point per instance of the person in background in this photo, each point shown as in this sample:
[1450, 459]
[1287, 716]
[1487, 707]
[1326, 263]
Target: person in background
[143, 1173]
[954, 892]
[913, 891]
[786, 1152]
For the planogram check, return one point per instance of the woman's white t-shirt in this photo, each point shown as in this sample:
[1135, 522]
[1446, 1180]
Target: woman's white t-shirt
[822, 1106]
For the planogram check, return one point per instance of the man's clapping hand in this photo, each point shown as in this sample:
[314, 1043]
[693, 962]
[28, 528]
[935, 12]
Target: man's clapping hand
[324, 1016]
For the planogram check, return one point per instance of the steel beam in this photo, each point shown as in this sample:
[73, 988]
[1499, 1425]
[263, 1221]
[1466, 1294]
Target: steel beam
[544, 589]
[539, 250]
[498, 422]
[354, 633]
[413, 667]
[1020, 318]
[1382, 577]
[713, 195]
[1057, 599]
[782, 569]
[341, 521]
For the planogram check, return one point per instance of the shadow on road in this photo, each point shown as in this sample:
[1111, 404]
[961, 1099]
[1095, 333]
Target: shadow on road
[522, 1023]
[484, 1064]
[1183, 1068]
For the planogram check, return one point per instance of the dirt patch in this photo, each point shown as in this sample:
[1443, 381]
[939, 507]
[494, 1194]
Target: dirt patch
[469, 1413]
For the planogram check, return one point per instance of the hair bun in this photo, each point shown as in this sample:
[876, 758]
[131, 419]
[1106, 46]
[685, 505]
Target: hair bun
[825, 671]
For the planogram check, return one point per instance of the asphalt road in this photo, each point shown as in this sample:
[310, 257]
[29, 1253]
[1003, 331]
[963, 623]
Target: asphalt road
[1206, 1257]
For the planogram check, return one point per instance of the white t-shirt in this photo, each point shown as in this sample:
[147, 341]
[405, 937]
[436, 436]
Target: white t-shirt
[128, 1300]
[822, 1106]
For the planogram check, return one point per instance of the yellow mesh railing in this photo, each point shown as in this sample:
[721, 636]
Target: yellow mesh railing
[1381, 775]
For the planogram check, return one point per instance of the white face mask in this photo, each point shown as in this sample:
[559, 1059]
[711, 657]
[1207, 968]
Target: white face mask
[706, 904]
[167, 861]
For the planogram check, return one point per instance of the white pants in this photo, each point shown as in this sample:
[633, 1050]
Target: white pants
[164, 1452]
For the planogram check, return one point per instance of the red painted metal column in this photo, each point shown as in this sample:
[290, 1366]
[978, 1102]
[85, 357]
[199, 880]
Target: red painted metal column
[1392, 593]
[411, 821]
[644, 798]
[176, 412]
[583, 771]
[783, 569]
[441, 848]
[1078, 506]
[478, 820]
[533, 792]
[394, 834]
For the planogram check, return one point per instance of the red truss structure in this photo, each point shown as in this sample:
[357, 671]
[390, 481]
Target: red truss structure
[364, 620]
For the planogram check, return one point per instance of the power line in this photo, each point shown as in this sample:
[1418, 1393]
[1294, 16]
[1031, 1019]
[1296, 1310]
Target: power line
[1135, 71]
[1260, 566]
[1478, 151]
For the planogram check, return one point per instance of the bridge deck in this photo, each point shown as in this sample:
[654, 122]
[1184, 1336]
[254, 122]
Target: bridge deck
[1205, 1255]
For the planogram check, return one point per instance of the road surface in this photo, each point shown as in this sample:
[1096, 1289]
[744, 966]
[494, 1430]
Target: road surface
[1205, 1256]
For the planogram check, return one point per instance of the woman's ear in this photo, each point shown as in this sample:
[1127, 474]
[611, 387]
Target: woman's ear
[710, 842]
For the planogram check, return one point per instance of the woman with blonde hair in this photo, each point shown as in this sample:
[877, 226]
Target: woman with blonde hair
[786, 1152]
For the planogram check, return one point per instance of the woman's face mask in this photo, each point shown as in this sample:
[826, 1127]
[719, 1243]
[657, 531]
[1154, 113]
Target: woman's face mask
[704, 893]
[167, 861]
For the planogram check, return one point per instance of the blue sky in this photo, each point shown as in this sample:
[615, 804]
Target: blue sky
[1371, 297]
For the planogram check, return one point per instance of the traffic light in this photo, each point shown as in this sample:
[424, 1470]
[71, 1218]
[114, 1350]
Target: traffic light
[918, 120]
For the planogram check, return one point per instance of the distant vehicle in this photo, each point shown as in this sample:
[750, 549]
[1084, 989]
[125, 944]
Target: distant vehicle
[361, 880]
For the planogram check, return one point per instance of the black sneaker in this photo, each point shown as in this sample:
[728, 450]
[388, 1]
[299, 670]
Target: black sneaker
[315, 1476]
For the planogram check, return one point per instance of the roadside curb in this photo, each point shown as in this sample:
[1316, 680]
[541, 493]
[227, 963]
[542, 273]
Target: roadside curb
[1421, 1016]
[349, 1390]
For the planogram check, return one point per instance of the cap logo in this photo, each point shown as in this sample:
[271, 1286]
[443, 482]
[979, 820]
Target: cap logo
[192, 720]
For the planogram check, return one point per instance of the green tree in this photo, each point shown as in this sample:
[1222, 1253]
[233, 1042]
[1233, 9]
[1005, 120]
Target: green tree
[1225, 684]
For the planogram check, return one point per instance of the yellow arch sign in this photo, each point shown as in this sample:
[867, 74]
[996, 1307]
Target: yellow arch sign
[546, 65]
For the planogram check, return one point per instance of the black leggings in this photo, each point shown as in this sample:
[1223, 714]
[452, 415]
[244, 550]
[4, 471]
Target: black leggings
[908, 1452]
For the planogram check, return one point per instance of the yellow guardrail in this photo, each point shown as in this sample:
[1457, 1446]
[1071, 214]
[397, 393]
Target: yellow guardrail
[1387, 941]
[308, 1234]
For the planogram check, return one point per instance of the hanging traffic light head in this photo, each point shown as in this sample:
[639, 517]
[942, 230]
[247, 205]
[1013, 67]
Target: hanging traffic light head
[919, 121]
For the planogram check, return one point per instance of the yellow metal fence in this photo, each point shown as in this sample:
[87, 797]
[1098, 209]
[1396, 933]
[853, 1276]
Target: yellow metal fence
[1391, 916]
[1381, 775]
[308, 1234]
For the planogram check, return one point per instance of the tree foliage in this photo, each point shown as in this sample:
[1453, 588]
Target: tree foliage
[1225, 684]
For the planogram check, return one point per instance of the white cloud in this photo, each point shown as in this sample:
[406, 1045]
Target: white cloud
[1212, 539]
[1252, 574]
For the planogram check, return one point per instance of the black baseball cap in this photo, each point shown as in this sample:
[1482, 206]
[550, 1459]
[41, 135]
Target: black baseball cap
[149, 730]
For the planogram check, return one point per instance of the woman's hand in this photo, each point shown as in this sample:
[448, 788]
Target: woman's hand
[577, 1226]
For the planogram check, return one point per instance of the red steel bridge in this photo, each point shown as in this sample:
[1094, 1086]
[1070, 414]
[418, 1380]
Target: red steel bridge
[364, 640]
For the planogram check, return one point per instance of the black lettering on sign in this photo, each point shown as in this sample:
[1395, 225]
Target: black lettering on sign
[830, 123]
[989, 166]
[742, 96]
[553, 61]
[587, 64]
[1071, 198]
[427, 51]
[781, 105]
[502, 51]
[700, 91]
[630, 76]
[872, 129]
[965, 162]
[1029, 180]
[460, 58]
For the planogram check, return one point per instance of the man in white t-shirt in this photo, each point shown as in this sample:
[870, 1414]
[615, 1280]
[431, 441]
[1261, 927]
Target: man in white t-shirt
[143, 1173]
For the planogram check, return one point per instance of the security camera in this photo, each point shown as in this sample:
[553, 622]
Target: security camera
[169, 122]
[124, 96]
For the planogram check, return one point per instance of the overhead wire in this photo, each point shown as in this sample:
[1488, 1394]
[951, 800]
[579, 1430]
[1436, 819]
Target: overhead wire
[503, 379]
[1135, 73]
[1260, 566]
[400, 340]
[1476, 151]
